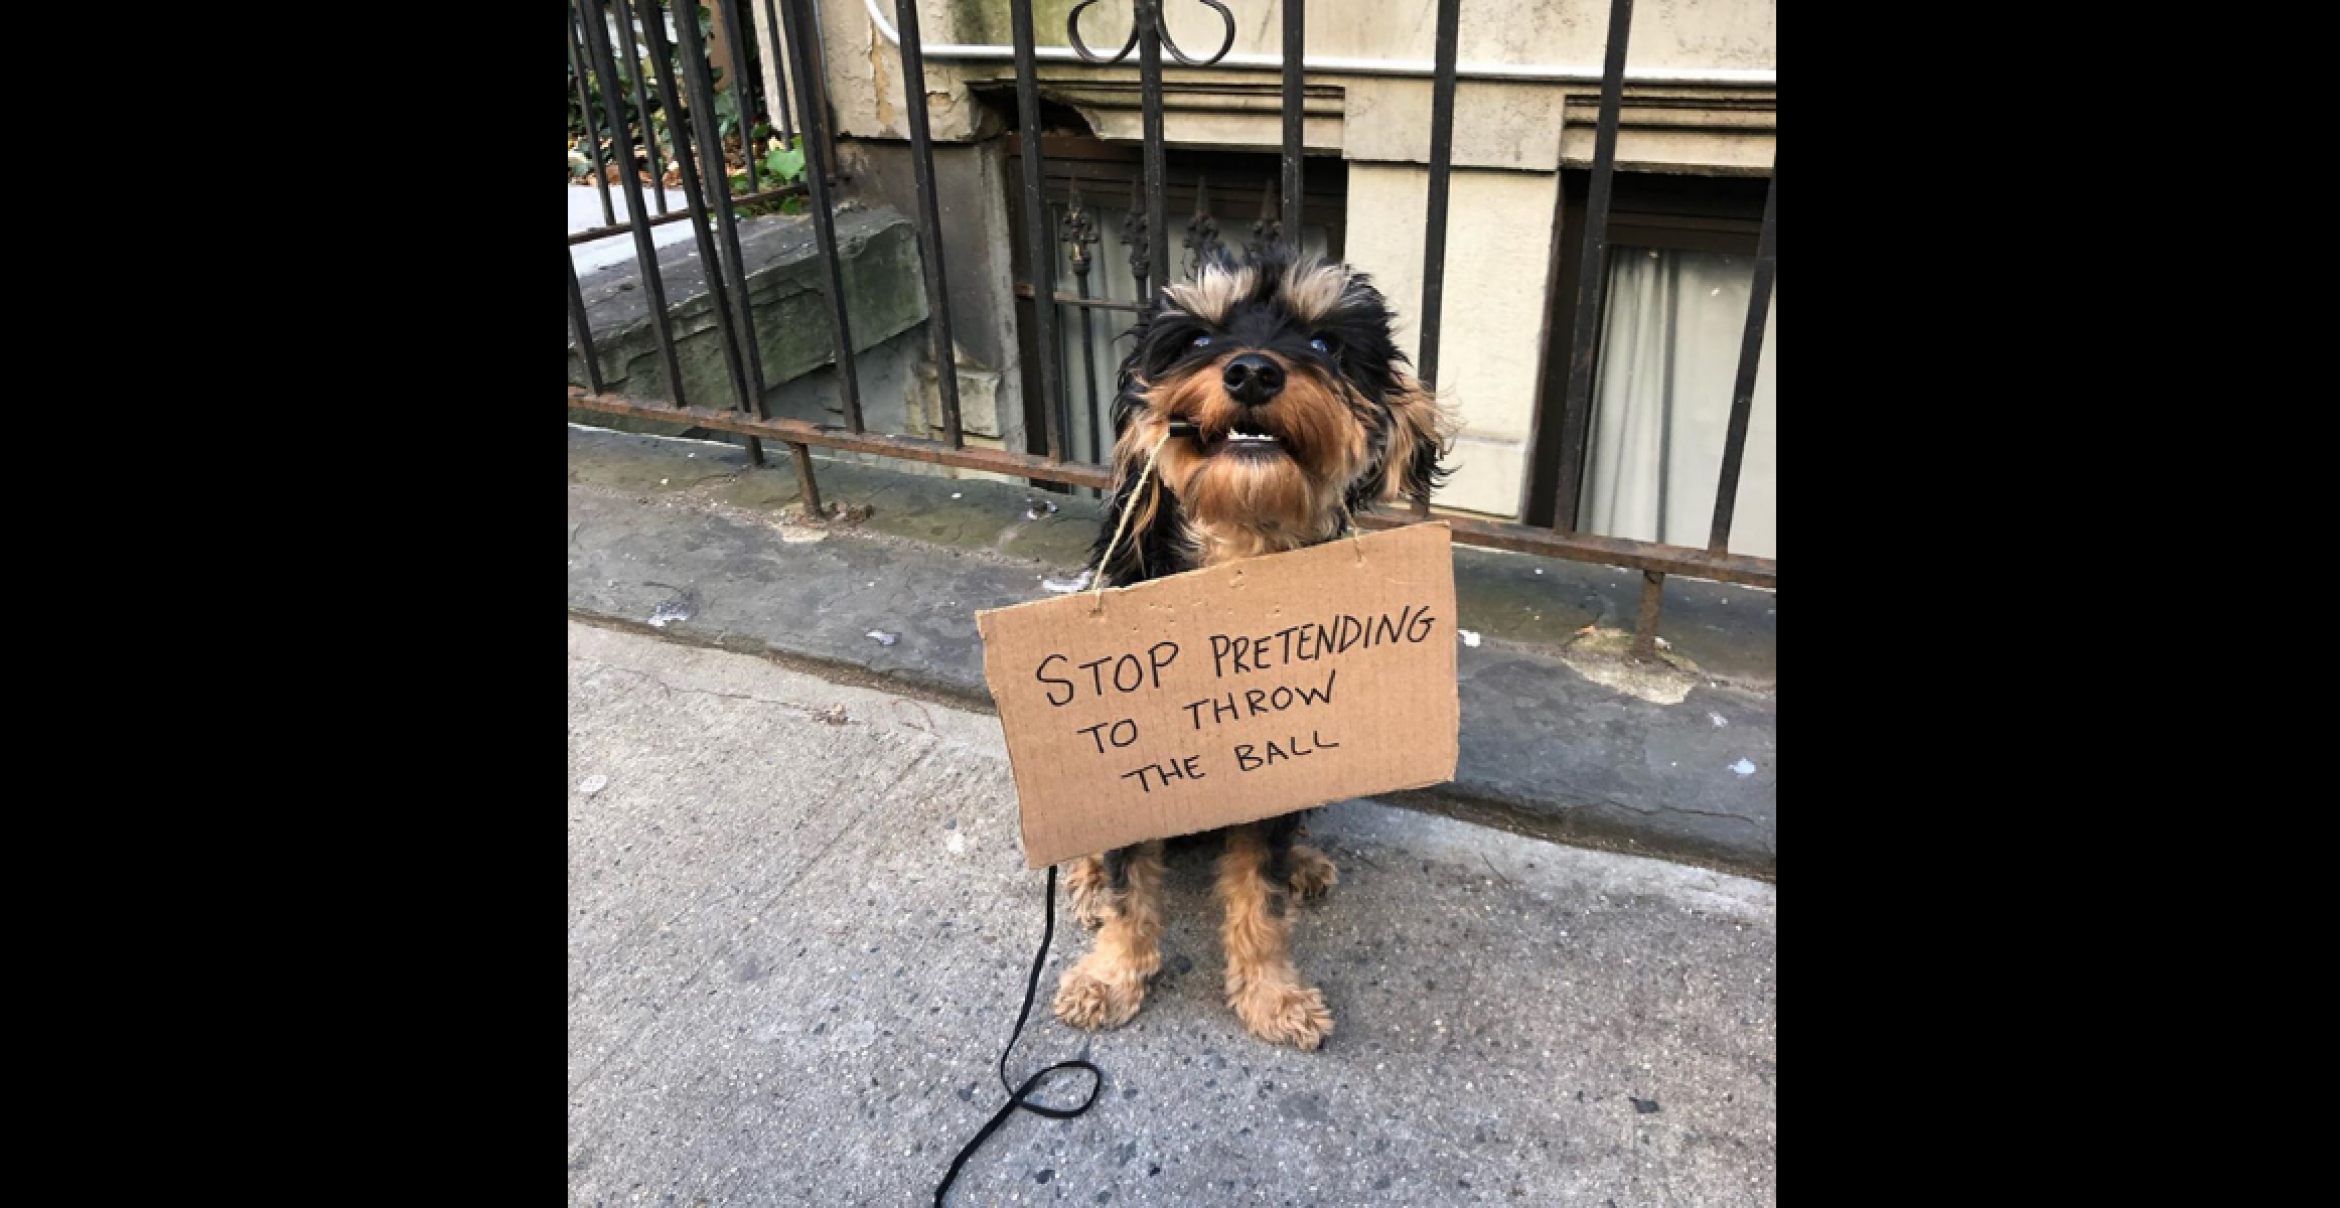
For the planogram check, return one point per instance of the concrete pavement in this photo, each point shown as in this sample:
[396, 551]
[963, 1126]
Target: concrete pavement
[799, 924]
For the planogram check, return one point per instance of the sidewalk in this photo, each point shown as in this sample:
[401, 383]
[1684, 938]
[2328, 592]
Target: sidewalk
[799, 926]
[1561, 737]
[585, 215]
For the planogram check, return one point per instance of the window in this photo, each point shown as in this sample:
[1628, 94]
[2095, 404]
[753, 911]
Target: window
[1681, 265]
[1669, 360]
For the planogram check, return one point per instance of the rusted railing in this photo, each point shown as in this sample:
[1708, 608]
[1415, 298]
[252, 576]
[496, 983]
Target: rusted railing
[1146, 230]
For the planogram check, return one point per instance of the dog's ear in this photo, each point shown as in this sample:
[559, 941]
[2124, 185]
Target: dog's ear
[1147, 540]
[1421, 434]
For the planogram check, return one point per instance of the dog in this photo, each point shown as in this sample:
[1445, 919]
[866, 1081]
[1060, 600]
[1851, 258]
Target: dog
[1293, 410]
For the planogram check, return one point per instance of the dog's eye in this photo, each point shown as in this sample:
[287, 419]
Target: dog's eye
[1202, 341]
[1319, 345]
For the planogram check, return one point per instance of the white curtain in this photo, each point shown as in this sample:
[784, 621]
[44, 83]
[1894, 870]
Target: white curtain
[1110, 278]
[1662, 406]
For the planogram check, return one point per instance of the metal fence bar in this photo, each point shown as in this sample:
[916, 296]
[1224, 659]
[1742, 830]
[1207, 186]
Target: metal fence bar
[1726, 492]
[1593, 276]
[1555, 259]
[1441, 180]
[1149, 37]
[1025, 291]
[806, 482]
[1135, 238]
[689, 125]
[938, 293]
[832, 275]
[699, 84]
[796, 431]
[779, 62]
[743, 93]
[1202, 230]
[1584, 547]
[735, 263]
[1645, 622]
[582, 328]
[592, 126]
[1267, 230]
[1039, 252]
[597, 45]
[625, 33]
[1080, 234]
[1295, 113]
[703, 113]
[815, 52]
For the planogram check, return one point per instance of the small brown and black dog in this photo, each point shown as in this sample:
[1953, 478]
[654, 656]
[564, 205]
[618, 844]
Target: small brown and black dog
[1295, 411]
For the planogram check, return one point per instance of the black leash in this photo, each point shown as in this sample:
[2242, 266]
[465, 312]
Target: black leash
[1019, 1096]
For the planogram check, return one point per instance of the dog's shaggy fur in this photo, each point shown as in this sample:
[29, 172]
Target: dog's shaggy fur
[1296, 351]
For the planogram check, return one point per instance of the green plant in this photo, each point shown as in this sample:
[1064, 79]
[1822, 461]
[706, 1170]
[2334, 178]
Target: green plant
[590, 137]
[782, 164]
[786, 161]
[726, 109]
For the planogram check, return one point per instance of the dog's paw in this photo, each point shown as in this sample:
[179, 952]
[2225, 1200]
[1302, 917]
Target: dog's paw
[1313, 874]
[1282, 1013]
[1092, 997]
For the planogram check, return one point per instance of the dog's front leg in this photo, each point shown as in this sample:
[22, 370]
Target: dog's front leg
[1107, 986]
[1265, 990]
[1085, 886]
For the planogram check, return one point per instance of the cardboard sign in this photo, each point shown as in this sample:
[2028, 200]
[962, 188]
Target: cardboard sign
[1228, 695]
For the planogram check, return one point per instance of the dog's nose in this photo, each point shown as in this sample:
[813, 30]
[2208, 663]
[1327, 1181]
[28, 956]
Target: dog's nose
[1253, 379]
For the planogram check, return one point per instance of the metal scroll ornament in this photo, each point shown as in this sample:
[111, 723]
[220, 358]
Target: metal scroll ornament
[1072, 29]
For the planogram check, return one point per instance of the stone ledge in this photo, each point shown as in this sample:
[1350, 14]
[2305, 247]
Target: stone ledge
[883, 291]
[1559, 741]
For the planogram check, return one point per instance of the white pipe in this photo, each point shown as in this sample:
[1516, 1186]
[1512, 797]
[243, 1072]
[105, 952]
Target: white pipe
[1540, 73]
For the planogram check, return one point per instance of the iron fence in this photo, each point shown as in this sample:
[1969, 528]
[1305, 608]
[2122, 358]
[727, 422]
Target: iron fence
[713, 213]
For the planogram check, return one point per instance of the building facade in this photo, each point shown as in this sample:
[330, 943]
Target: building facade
[1696, 145]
